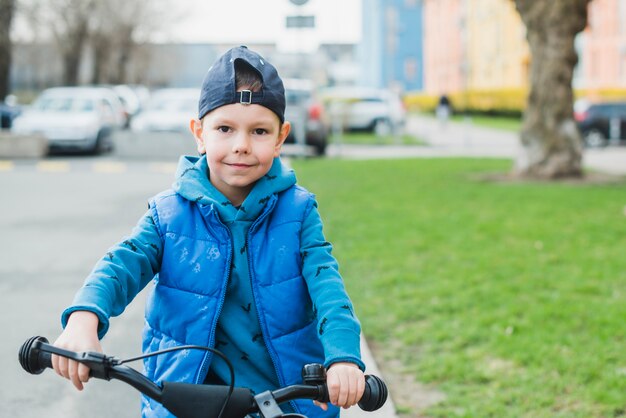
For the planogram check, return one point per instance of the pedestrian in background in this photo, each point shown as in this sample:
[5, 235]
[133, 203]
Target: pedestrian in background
[444, 110]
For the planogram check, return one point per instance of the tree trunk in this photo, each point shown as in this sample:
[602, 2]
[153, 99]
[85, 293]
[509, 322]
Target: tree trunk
[125, 48]
[7, 8]
[551, 143]
[101, 56]
[73, 52]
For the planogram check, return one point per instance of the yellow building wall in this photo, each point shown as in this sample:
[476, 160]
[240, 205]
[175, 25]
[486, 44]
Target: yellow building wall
[490, 55]
[497, 50]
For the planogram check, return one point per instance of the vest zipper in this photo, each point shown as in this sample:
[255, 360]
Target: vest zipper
[269, 348]
[208, 356]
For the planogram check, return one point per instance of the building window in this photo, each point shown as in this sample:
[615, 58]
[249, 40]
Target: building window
[410, 69]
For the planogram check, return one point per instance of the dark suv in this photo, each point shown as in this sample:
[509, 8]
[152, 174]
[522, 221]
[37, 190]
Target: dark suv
[602, 123]
[306, 114]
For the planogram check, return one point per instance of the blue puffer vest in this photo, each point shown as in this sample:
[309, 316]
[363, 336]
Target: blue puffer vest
[185, 303]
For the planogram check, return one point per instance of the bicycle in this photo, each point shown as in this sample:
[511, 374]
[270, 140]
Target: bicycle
[186, 400]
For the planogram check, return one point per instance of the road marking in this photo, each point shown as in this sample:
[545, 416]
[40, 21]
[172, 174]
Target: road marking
[165, 168]
[53, 166]
[109, 167]
[103, 167]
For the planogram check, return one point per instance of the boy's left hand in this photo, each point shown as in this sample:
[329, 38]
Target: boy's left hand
[346, 383]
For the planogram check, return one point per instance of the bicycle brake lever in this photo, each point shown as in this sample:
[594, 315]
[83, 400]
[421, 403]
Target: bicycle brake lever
[98, 363]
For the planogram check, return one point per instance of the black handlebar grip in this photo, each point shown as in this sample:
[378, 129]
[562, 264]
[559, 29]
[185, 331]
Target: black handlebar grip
[374, 395]
[33, 360]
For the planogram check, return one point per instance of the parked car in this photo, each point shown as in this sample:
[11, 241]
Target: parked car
[9, 110]
[361, 109]
[79, 118]
[133, 97]
[600, 123]
[306, 115]
[168, 109]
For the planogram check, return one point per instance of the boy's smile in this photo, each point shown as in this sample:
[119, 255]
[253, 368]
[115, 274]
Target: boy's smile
[240, 142]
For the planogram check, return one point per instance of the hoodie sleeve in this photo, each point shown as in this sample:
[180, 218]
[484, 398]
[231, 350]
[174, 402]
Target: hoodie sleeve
[120, 275]
[338, 328]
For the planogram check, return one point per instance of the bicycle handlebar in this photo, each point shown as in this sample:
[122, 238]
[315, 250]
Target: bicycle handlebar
[187, 400]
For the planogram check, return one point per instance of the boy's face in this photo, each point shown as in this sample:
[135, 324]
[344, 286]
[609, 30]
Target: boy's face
[240, 143]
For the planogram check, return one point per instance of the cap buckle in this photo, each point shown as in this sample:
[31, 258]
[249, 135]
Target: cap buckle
[246, 98]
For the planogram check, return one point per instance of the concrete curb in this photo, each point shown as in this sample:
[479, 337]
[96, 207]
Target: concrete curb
[22, 146]
[388, 410]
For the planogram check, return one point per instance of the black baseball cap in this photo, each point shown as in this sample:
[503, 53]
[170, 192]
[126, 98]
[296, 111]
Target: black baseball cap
[219, 86]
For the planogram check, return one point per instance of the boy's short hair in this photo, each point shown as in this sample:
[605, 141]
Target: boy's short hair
[219, 87]
[246, 77]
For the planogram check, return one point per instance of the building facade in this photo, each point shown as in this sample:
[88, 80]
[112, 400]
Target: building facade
[473, 45]
[477, 50]
[391, 53]
[602, 47]
[497, 49]
[445, 63]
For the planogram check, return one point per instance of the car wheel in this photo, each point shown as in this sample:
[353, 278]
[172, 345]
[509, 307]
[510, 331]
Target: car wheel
[382, 127]
[594, 139]
[103, 144]
[320, 149]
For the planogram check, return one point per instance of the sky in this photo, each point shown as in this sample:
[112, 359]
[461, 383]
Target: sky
[241, 21]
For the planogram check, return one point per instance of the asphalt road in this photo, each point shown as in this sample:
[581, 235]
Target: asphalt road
[55, 224]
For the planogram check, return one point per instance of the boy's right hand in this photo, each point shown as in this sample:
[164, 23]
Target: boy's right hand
[80, 334]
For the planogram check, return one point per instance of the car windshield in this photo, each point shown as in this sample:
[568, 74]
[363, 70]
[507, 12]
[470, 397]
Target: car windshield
[64, 104]
[371, 100]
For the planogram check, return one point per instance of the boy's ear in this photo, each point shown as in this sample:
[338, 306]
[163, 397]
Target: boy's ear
[282, 136]
[195, 125]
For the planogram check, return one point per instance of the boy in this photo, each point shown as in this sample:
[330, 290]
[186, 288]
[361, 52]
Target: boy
[238, 256]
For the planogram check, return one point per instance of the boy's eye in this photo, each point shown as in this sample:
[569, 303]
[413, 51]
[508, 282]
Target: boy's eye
[260, 131]
[223, 129]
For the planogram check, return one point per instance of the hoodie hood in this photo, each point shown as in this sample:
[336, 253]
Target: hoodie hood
[192, 183]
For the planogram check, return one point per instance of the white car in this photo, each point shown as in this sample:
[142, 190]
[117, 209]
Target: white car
[79, 118]
[169, 109]
[362, 109]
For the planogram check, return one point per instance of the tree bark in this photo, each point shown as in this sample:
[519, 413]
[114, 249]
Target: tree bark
[7, 9]
[72, 51]
[101, 56]
[551, 143]
[125, 50]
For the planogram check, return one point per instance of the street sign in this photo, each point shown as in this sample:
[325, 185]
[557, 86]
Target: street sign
[300, 21]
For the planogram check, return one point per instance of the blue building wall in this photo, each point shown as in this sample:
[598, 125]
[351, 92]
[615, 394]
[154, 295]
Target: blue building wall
[391, 52]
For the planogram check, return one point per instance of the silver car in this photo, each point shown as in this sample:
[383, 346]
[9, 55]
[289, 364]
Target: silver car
[76, 118]
[169, 110]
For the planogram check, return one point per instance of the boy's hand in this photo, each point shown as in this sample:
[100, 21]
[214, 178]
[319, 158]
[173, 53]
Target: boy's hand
[346, 384]
[80, 334]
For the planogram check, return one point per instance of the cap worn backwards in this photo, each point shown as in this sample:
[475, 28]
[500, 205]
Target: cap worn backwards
[219, 86]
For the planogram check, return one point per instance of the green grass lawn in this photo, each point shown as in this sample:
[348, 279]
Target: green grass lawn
[509, 298]
[366, 138]
[507, 123]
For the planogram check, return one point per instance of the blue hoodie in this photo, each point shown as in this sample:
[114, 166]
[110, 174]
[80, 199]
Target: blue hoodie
[238, 328]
